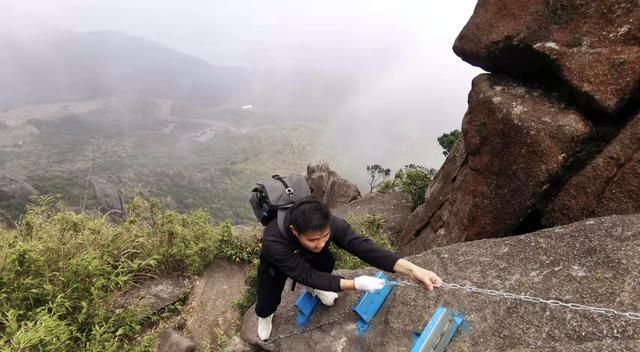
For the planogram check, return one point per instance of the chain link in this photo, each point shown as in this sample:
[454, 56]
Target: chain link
[468, 288]
[507, 295]
[310, 328]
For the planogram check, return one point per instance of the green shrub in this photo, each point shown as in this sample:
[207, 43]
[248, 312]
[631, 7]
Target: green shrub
[59, 269]
[411, 179]
[370, 226]
[448, 140]
[386, 186]
[250, 294]
[414, 180]
[234, 248]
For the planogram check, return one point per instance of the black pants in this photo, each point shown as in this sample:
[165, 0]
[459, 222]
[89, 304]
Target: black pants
[271, 280]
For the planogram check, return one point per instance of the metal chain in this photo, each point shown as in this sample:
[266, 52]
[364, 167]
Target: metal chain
[507, 295]
[468, 288]
[310, 328]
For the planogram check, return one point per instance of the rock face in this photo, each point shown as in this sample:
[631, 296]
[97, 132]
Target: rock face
[592, 46]
[332, 189]
[393, 207]
[237, 345]
[108, 197]
[13, 189]
[172, 341]
[610, 184]
[515, 140]
[584, 57]
[154, 294]
[593, 262]
[211, 313]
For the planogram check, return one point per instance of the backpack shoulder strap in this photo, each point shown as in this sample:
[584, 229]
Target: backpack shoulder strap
[280, 219]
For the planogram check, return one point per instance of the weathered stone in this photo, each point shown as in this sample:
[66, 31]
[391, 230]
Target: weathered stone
[154, 294]
[187, 204]
[515, 139]
[211, 314]
[237, 345]
[108, 197]
[393, 207]
[609, 185]
[13, 189]
[172, 341]
[6, 222]
[594, 46]
[181, 323]
[329, 187]
[593, 262]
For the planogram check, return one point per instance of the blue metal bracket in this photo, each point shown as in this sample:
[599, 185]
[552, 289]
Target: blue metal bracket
[370, 303]
[438, 333]
[306, 304]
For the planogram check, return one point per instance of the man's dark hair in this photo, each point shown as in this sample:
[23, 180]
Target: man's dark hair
[309, 214]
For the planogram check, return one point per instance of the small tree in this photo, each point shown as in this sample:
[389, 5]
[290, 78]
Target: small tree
[414, 180]
[448, 140]
[377, 174]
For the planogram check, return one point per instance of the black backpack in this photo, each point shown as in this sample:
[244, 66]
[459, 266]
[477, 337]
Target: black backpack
[271, 199]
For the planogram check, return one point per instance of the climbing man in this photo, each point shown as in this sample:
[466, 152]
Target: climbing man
[302, 253]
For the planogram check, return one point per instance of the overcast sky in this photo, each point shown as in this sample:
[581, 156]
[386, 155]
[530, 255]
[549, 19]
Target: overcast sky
[326, 33]
[417, 84]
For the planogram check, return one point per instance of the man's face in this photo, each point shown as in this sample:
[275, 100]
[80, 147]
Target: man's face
[312, 240]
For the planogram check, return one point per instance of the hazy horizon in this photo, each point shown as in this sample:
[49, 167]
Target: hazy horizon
[411, 87]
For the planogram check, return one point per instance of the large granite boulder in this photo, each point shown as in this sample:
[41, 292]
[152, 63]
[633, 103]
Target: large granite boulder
[108, 197]
[593, 262]
[515, 140]
[591, 46]
[15, 190]
[393, 207]
[609, 185]
[329, 187]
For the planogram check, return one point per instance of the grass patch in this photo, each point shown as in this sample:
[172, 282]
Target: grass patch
[369, 226]
[59, 270]
[250, 294]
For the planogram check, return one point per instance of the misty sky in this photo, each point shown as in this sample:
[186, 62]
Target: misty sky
[417, 88]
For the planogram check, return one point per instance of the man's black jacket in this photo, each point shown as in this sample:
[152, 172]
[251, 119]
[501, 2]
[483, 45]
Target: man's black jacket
[284, 252]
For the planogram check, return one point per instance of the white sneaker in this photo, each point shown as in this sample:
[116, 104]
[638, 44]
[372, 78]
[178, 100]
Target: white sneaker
[264, 327]
[327, 298]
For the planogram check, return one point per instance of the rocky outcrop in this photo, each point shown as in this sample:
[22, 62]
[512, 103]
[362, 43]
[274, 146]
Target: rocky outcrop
[582, 57]
[515, 140]
[211, 315]
[153, 295]
[610, 184]
[15, 190]
[591, 46]
[393, 207]
[108, 197]
[328, 186]
[593, 262]
[237, 345]
[171, 341]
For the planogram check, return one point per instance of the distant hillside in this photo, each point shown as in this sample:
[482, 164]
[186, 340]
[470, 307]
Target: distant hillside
[189, 157]
[94, 64]
[155, 121]
[72, 66]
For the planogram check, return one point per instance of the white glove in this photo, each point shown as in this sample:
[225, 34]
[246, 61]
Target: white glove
[368, 283]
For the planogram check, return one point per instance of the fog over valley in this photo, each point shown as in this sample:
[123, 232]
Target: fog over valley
[169, 99]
